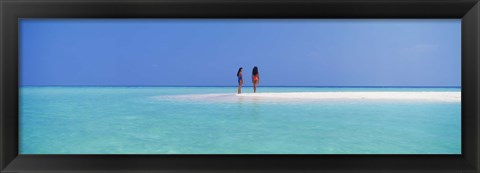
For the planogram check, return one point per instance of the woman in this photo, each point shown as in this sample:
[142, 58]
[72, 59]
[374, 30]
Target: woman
[240, 80]
[255, 78]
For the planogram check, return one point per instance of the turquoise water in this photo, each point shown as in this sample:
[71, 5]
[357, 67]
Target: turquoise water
[134, 120]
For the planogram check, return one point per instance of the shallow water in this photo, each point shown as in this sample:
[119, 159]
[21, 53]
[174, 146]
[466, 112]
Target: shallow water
[137, 120]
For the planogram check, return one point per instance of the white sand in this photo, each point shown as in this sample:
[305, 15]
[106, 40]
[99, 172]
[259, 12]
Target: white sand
[319, 96]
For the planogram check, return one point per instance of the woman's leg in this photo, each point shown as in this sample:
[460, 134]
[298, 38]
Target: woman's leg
[240, 87]
[255, 87]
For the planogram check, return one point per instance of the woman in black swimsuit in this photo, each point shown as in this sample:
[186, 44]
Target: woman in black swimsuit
[240, 80]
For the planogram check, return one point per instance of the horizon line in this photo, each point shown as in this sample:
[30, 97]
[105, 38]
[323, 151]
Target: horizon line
[389, 86]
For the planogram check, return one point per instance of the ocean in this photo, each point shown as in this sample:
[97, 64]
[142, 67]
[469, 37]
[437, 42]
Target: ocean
[214, 120]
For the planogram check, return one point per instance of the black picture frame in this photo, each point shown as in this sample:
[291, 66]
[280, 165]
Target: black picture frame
[12, 10]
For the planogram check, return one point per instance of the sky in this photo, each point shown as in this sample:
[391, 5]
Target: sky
[208, 52]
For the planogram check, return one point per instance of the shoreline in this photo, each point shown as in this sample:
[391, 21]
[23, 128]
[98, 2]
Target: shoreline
[434, 96]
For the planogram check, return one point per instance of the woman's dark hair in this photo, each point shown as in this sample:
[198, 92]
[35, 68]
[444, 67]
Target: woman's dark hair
[255, 70]
[239, 70]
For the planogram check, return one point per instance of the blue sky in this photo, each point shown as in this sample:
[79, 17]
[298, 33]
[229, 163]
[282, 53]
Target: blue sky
[193, 52]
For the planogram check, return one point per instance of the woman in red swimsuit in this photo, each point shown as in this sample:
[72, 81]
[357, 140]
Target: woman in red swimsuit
[255, 78]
